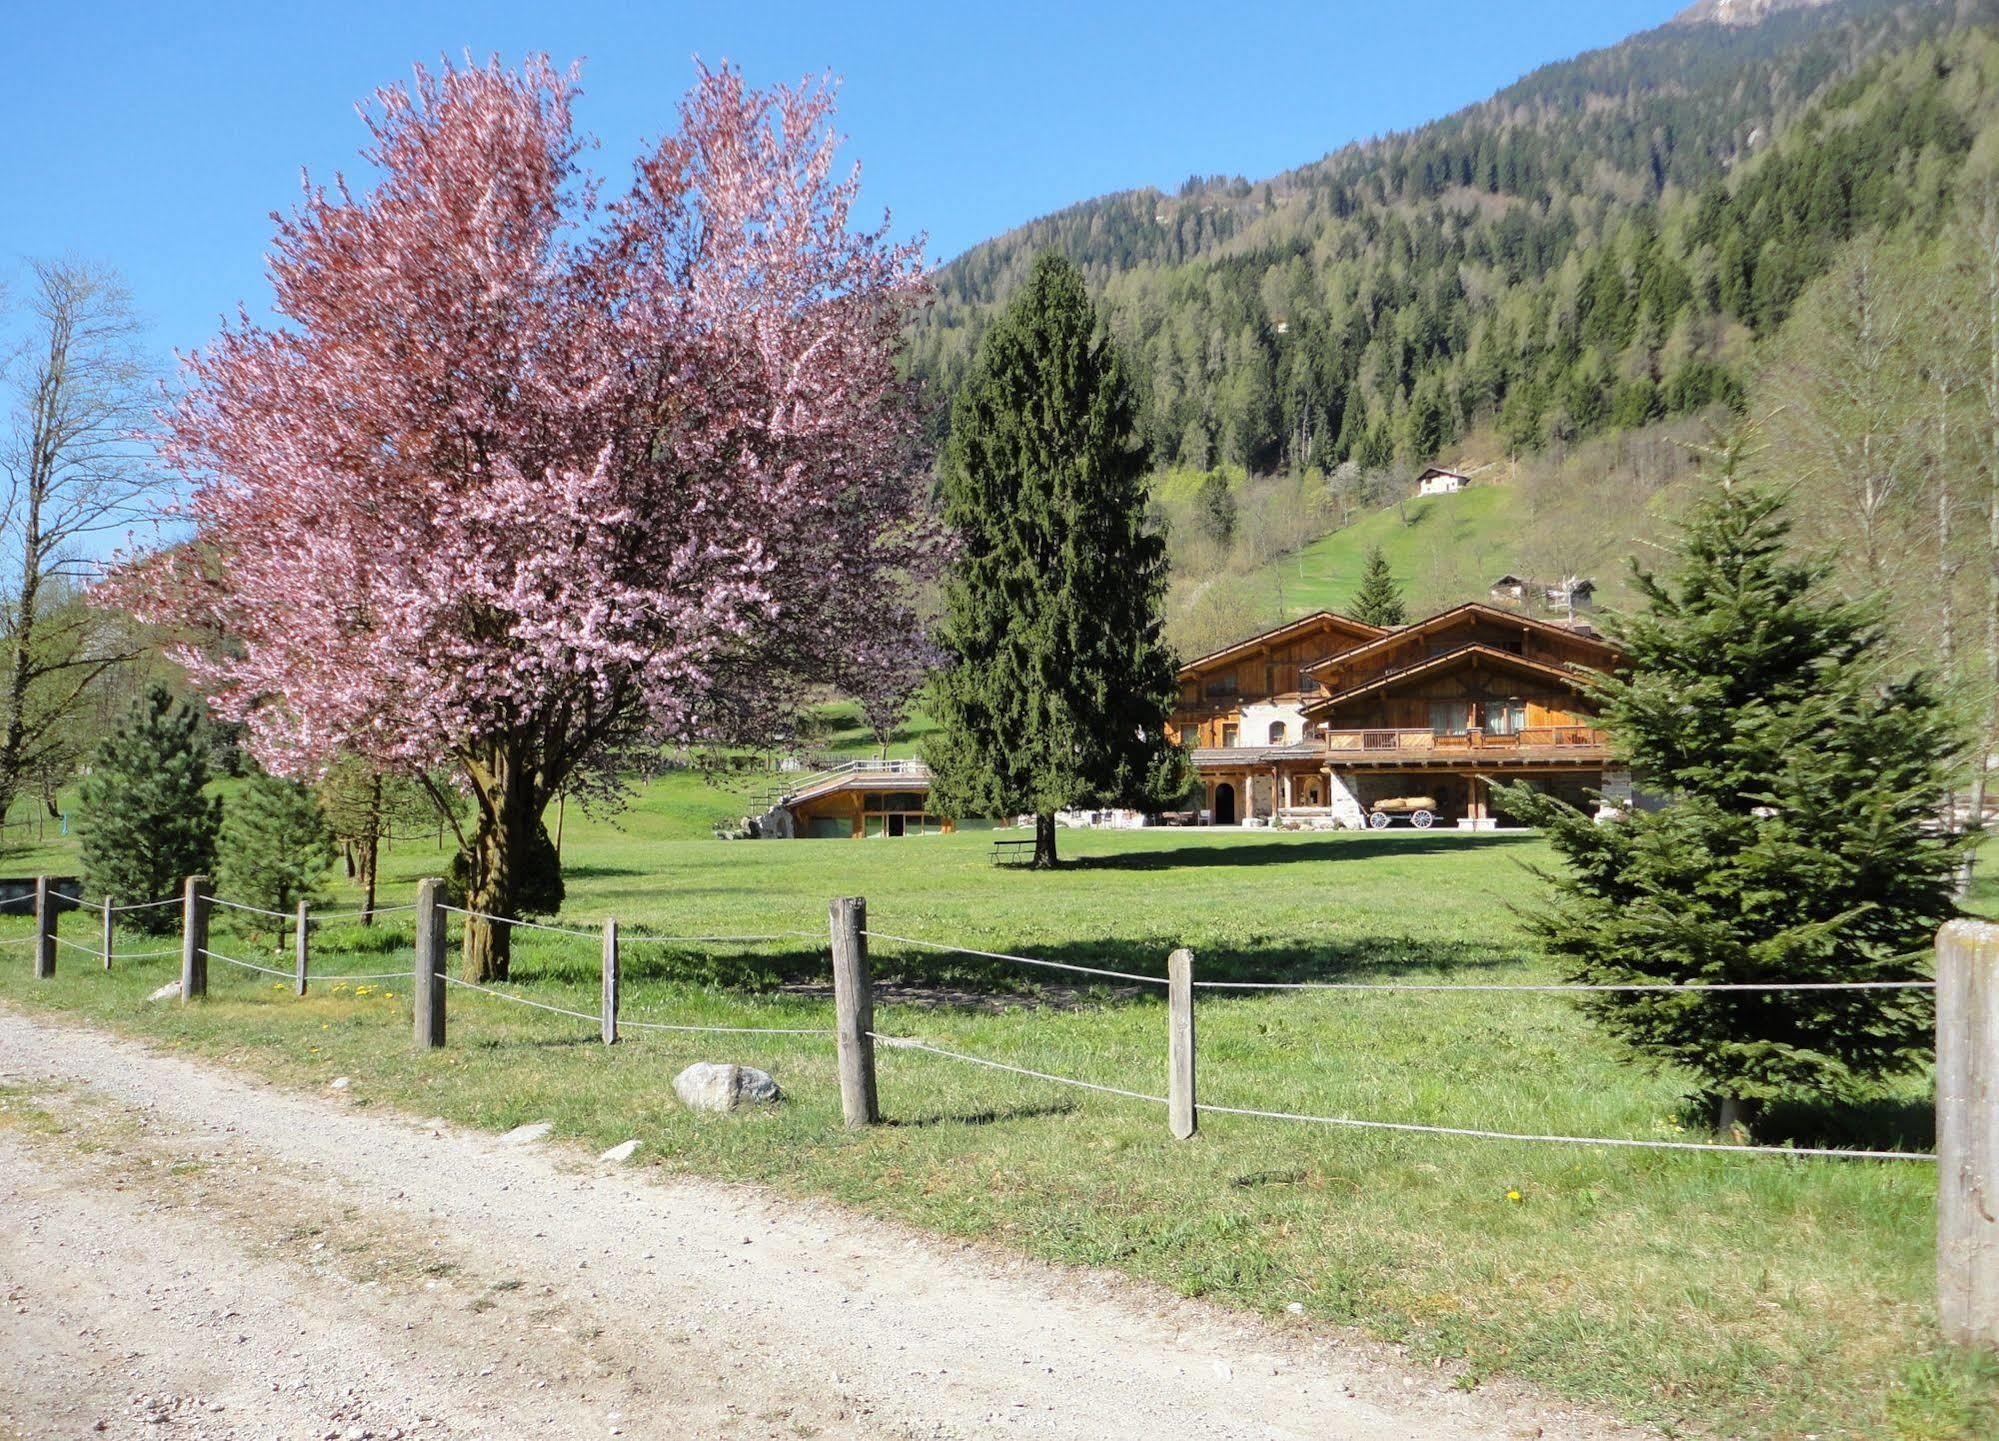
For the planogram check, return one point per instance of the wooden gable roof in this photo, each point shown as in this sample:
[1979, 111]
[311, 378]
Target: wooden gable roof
[1471, 655]
[1345, 630]
[1471, 609]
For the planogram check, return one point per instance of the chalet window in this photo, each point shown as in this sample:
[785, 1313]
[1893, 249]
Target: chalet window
[1307, 682]
[1190, 736]
[1450, 717]
[1220, 686]
[1231, 733]
[1504, 717]
[1277, 733]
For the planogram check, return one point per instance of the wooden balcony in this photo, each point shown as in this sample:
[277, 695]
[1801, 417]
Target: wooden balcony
[1565, 744]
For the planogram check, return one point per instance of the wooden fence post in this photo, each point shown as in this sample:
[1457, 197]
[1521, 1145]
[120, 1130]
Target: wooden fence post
[854, 1010]
[302, 950]
[110, 931]
[609, 999]
[194, 939]
[45, 930]
[1180, 1112]
[427, 991]
[1968, 1132]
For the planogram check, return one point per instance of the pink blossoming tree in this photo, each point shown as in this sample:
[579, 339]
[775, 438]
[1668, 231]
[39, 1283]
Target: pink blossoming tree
[531, 482]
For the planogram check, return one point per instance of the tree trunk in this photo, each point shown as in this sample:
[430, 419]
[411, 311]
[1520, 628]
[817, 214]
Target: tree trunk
[368, 857]
[1044, 842]
[509, 809]
[1732, 1118]
[370, 849]
[1989, 254]
[1946, 562]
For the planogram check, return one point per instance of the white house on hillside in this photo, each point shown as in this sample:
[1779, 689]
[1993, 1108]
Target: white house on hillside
[1437, 481]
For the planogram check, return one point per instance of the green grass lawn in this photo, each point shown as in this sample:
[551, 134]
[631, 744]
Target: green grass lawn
[1732, 1296]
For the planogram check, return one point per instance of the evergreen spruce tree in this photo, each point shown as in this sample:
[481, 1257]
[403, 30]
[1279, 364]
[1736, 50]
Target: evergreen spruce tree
[275, 845]
[1797, 841]
[1057, 685]
[144, 823]
[1379, 599]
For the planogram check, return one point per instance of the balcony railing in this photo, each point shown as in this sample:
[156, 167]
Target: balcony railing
[850, 771]
[1376, 741]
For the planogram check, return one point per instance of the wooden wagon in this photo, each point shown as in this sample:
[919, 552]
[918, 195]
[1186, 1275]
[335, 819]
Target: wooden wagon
[1419, 811]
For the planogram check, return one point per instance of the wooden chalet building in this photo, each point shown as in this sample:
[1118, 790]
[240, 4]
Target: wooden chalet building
[1321, 721]
[857, 799]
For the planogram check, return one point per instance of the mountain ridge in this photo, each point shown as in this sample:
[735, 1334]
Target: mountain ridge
[1379, 302]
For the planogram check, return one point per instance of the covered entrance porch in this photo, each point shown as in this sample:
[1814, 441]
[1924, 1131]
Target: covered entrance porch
[1269, 785]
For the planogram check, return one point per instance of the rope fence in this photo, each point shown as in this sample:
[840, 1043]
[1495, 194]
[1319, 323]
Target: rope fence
[119, 910]
[1479, 986]
[246, 965]
[905, 1043]
[1966, 986]
[1667, 986]
[516, 921]
[625, 1023]
[854, 1032]
[1017, 960]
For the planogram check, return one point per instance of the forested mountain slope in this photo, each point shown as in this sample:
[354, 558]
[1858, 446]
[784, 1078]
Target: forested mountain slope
[1598, 246]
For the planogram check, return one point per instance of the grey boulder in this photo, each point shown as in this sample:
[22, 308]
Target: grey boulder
[713, 1086]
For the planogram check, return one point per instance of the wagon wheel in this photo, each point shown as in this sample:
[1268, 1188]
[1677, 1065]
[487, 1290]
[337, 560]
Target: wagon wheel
[1421, 820]
[1378, 821]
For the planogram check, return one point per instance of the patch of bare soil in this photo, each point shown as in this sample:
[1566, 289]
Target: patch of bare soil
[186, 1253]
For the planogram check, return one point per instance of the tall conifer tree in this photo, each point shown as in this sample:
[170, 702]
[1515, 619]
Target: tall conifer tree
[144, 823]
[1058, 684]
[1379, 599]
[1797, 841]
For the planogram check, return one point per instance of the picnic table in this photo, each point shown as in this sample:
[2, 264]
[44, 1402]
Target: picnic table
[1013, 853]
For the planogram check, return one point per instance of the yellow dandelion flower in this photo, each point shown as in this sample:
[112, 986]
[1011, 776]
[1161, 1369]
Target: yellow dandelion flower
[1515, 1196]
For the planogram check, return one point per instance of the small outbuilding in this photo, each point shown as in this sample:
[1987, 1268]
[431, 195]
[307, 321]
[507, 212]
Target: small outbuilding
[1438, 481]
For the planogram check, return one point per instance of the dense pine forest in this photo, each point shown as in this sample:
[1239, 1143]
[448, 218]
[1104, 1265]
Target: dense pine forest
[1595, 247]
[1576, 284]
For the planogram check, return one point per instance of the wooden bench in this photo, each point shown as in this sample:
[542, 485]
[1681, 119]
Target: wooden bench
[1013, 853]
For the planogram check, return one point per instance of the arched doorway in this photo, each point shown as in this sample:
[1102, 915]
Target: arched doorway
[1224, 804]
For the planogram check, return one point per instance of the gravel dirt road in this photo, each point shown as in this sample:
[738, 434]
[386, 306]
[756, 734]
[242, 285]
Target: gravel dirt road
[188, 1253]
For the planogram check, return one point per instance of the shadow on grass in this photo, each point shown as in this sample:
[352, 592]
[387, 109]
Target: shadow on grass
[988, 1117]
[942, 977]
[1347, 847]
[1886, 1123]
[574, 872]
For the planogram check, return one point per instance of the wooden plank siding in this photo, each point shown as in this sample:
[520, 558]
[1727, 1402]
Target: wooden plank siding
[1475, 685]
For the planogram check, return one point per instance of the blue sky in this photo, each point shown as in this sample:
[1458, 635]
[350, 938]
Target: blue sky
[159, 137]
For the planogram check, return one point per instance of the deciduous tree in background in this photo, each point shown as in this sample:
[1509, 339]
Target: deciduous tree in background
[145, 822]
[69, 472]
[365, 807]
[529, 483]
[1802, 781]
[1057, 685]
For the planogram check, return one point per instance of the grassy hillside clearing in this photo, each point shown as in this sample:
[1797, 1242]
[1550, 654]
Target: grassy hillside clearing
[1730, 1295]
[1438, 546]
